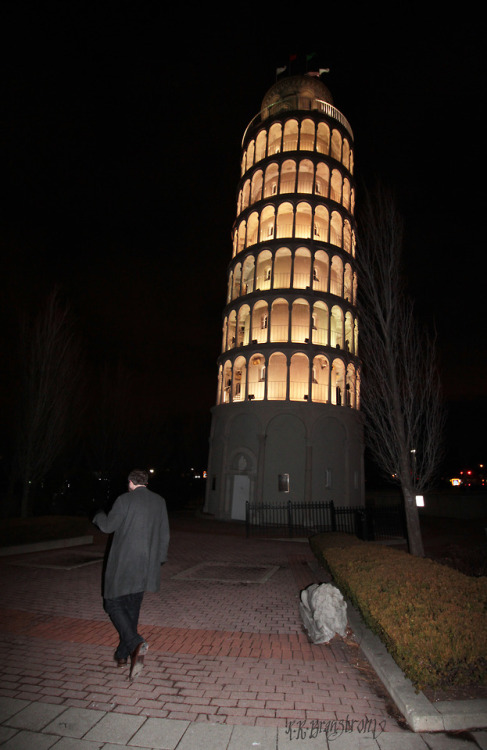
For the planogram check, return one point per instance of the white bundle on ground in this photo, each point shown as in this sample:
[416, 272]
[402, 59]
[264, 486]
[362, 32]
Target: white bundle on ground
[323, 611]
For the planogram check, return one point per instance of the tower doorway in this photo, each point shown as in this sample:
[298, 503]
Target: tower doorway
[240, 496]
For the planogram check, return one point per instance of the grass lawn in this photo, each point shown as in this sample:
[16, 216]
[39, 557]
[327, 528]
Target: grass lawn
[42, 529]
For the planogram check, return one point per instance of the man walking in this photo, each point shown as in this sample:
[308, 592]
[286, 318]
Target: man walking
[140, 527]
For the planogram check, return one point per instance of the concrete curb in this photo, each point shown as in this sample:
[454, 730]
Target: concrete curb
[421, 715]
[22, 549]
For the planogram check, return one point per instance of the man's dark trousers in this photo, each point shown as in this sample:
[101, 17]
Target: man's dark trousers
[124, 613]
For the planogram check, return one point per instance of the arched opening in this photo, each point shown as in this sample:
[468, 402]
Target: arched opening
[245, 196]
[302, 268]
[239, 239]
[336, 327]
[303, 221]
[349, 342]
[336, 186]
[227, 382]
[230, 286]
[322, 179]
[320, 323]
[346, 194]
[260, 322]
[336, 229]
[290, 140]
[280, 320]
[256, 378]
[320, 271]
[299, 377]
[347, 281]
[282, 268]
[275, 137]
[224, 334]
[232, 325]
[350, 387]
[277, 377]
[256, 191]
[243, 165]
[320, 229]
[347, 236]
[288, 176]
[260, 145]
[250, 154]
[305, 176]
[337, 382]
[239, 379]
[243, 326]
[300, 321]
[336, 276]
[346, 154]
[271, 180]
[264, 270]
[307, 136]
[252, 229]
[219, 386]
[237, 277]
[320, 379]
[267, 224]
[323, 138]
[336, 145]
[284, 220]
[248, 275]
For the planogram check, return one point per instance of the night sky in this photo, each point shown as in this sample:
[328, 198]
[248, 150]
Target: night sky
[122, 145]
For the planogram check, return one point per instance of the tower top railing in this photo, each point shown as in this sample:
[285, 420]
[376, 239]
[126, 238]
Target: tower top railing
[299, 102]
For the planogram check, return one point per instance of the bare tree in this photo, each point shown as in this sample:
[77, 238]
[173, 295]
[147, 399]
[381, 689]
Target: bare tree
[51, 377]
[401, 394]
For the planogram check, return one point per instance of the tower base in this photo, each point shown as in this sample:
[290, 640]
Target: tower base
[265, 453]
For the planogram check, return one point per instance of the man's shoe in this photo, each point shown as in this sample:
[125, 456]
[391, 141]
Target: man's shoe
[137, 659]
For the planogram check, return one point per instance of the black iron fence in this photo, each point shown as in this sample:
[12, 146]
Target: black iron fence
[294, 519]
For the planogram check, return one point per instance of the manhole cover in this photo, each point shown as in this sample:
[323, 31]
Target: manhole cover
[64, 560]
[228, 572]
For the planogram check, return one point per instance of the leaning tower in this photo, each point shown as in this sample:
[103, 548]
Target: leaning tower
[286, 424]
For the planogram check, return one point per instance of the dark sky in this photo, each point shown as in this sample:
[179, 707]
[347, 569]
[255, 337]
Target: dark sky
[123, 127]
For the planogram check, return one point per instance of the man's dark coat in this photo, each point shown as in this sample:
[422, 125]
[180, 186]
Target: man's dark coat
[140, 541]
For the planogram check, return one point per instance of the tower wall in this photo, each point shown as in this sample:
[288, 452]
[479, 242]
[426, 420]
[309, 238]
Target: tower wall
[287, 424]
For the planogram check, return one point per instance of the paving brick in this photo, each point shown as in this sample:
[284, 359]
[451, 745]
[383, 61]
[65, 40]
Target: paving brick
[233, 644]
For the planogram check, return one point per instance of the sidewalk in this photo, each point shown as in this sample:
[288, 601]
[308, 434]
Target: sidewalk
[229, 664]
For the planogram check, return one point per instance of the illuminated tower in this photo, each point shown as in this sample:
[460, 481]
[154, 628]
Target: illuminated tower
[286, 424]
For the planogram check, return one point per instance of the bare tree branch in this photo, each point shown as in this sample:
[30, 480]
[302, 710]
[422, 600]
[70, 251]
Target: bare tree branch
[51, 377]
[401, 396]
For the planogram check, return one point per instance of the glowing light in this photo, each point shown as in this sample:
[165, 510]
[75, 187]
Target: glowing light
[420, 501]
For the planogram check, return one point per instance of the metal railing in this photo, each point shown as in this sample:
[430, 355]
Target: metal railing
[293, 519]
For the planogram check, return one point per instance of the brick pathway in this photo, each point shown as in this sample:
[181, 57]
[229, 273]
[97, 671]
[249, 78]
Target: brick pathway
[221, 649]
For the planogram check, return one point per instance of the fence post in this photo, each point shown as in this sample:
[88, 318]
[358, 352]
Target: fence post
[333, 516]
[290, 518]
[360, 524]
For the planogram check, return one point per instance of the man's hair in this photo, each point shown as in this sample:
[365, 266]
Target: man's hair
[139, 477]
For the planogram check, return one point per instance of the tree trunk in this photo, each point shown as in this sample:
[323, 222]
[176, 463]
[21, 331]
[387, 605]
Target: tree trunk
[412, 520]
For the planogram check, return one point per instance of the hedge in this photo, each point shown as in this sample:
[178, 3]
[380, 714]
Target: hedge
[431, 618]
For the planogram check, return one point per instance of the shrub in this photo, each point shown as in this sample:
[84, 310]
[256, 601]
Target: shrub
[431, 618]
